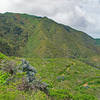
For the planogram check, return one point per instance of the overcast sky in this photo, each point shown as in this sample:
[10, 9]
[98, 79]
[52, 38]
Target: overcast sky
[79, 14]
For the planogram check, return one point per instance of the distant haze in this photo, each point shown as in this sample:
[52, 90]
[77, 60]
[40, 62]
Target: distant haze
[83, 15]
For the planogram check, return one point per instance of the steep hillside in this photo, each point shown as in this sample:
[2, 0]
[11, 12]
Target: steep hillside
[31, 36]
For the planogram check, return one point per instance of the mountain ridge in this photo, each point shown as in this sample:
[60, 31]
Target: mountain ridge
[32, 36]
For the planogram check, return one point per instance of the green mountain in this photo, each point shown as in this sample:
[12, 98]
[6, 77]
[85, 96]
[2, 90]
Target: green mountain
[97, 42]
[32, 36]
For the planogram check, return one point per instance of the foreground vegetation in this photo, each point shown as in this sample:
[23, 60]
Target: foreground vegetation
[67, 79]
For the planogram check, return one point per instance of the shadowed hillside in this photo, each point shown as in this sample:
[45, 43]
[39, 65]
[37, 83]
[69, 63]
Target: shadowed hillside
[97, 42]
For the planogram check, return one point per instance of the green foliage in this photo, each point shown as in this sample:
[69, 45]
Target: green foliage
[11, 93]
[84, 97]
[65, 94]
[2, 56]
[3, 77]
[60, 94]
[40, 96]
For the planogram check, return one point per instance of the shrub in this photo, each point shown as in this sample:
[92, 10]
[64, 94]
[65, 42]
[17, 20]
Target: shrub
[2, 56]
[3, 77]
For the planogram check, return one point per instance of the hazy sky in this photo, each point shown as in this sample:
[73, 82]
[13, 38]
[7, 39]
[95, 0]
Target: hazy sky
[80, 14]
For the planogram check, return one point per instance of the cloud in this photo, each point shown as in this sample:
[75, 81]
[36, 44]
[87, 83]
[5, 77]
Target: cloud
[80, 14]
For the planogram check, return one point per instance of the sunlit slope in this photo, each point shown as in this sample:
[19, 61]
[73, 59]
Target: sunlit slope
[68, 74]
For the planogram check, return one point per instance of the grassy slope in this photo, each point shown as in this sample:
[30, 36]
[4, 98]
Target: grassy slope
[31, 36]
[75, 74]
[65, 77]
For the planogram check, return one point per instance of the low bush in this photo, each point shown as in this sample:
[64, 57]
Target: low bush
[3, 77]
[2, 56]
